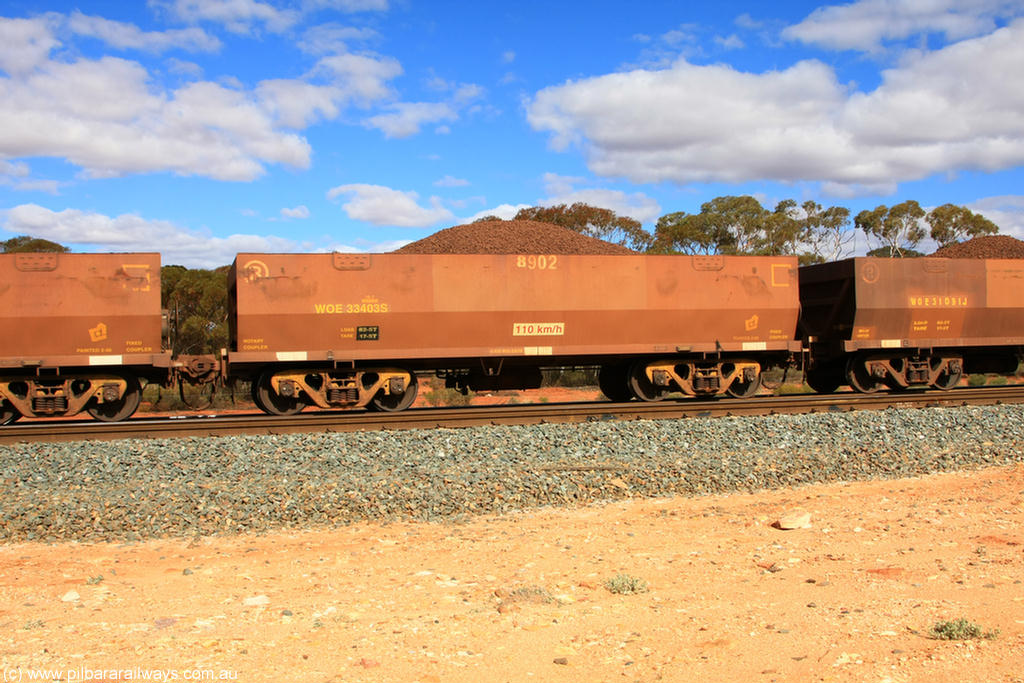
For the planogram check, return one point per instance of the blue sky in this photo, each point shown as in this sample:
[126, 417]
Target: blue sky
[200, 128]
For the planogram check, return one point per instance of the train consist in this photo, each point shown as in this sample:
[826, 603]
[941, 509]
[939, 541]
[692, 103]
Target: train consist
[80, 332]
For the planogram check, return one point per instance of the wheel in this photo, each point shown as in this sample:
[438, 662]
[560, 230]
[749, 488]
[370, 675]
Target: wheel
[122, 409]
[392, 403]
[859, 379]
[823, 380]
[741, 389]
[8, 413]
[641, 387]
[269, 401]
[947, 380]
[613, 381]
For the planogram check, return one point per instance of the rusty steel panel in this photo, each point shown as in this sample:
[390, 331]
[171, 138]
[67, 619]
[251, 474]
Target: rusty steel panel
[92, 309]
[420, 306]
[892, 303]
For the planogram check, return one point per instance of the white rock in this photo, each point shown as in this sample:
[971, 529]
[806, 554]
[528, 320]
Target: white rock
[794, 519]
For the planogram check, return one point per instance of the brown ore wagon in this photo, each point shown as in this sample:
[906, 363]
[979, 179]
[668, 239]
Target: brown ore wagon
[78, 331]
[876, 323]
[355, 329]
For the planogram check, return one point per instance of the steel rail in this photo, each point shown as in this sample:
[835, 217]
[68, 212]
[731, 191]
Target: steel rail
[431, 418]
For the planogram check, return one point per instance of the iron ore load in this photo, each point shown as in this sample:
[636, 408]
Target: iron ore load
[488, 306]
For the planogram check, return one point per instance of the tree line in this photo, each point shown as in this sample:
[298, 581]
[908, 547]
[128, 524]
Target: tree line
[741, 225]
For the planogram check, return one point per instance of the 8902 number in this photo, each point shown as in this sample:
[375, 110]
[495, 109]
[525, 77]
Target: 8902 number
[542, 262]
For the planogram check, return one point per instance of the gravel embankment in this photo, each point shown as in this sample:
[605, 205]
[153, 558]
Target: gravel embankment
[135, 489]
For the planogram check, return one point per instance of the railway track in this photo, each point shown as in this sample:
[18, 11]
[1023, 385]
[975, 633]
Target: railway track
[429, 418]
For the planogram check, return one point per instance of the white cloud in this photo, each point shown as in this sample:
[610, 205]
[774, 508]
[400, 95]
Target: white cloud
[300, 212]
[109, 116]
[332, 38]
[451, 181]
[25, 44]
[731, 42]
[128, 36]
[129, 232]
[503, 211]
[406, 118]
[955, 108]
[381, 205]
[237, 16]
[362, 77]
[562, 190]
[866, 24]
[1006, 211]
[347, 5]
[508, 56]
[296, 104]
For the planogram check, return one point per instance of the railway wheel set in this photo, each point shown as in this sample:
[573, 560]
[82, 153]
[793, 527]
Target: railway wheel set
[83, 332]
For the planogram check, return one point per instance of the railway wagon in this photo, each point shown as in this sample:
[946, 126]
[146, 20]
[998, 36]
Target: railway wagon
[338, 329]
[876, 323]
[77, 332]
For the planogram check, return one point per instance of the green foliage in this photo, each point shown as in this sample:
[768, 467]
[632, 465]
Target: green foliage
[446, 396]
[570, 377]
[589, 220]
[950, 224]
[976, 380]
[898, 229]
[24, 243]
[624, 584]
[960, 629]
[740, 225]
[886, 252]
[825, 233]
[198, 301]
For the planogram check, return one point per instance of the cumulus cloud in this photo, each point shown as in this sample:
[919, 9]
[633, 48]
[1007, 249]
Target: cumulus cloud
[563, 190]
[333, 38]
[131, 233]
[865, 25]
[128, 36]
[362, 77]
[17, 175]
[109, 117]
[381, 205]
[347, 5]
[406, 118]
[300, 211]
[503, 211]
[237, 16]
[954, 108]
[1006, 211]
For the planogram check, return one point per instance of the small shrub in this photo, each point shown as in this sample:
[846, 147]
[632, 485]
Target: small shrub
[624, 584]
[537, 594]
[448, 397]
[570, 377]
[793, 389]
[960, 629]
[976, 381]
